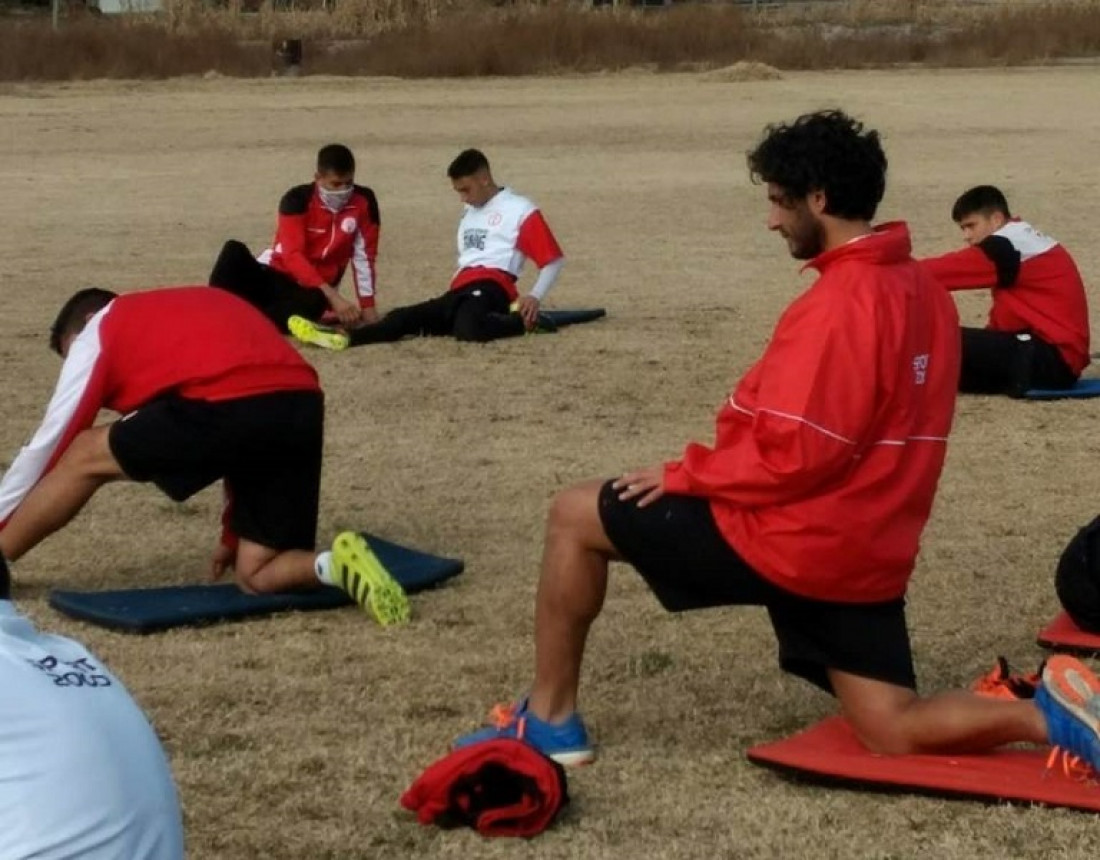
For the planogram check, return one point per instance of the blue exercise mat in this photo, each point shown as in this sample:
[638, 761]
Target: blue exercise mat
[147, 610]
[1083, 388]
[563, 318]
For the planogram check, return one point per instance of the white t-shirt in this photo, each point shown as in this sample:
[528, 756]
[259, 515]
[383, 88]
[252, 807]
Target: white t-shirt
[82, 773]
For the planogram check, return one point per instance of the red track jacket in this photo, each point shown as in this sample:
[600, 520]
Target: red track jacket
[829, 450]
[1035, 286]
[314, 245]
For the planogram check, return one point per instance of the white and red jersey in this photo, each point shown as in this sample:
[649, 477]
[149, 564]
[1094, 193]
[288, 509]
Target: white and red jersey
[495, 240]
[829, 450]
[82, 773]
[315, 245]
[1035, 286]
[199, 343]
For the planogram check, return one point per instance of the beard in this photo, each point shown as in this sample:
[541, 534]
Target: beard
[806, 239]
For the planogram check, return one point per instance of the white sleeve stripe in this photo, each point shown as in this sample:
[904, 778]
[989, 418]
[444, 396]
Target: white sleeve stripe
[898, 442]
[824, 431]
[364, 278]
[31, 462]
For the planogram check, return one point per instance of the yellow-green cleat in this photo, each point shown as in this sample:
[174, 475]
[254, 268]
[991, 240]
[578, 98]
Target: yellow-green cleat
[314, 334]
[357, 570]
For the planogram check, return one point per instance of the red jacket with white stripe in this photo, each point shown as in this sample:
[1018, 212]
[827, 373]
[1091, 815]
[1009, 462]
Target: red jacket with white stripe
[315, 245]
[194, 342]
[1035, 285]
[829, 450]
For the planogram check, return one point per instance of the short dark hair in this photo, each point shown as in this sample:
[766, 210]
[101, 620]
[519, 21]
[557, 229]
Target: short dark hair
[73, 315]
[335, 158]
[5, 579]
[467, 163]
[826, 151]
[983, 199]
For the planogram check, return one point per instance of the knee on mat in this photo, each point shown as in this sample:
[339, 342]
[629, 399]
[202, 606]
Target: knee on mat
[884, 736]
[248, 579]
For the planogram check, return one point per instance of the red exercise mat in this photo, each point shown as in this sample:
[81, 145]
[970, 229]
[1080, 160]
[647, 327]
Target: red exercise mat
[1063, 635]
[830, 749]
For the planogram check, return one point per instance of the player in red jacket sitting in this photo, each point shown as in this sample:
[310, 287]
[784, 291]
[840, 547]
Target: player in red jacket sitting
[1038, 330]
[325, 228]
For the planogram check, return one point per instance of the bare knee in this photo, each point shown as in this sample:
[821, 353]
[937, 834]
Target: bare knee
[248, 568]
[884, 736]
[879, 713]
[574, 516]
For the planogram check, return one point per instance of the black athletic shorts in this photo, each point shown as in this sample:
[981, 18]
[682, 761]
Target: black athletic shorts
[1012, 363]
[677, 548]
[267, 448]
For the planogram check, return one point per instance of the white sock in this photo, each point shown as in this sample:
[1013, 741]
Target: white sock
[322, 566]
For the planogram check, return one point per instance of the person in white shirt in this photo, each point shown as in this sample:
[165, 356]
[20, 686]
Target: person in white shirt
[82, 773]
[499, 231]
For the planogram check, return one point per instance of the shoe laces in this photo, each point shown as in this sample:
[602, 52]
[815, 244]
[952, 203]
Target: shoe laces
[504, 716]
[1072, 766]
[1000, 683]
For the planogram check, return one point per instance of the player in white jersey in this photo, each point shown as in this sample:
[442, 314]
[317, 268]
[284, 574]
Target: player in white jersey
[82, 774]
[499, 231]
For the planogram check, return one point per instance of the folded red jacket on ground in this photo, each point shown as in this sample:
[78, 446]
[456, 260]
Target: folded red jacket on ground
[499, 787]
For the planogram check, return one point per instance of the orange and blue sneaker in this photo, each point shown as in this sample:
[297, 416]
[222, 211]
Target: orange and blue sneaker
[565, 742]
[1000, 683]
[1069, 698]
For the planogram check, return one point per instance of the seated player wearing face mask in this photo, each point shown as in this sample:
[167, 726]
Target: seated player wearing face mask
[324, 228]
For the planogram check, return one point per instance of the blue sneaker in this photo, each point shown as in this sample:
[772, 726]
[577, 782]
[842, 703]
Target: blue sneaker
[1069, 697]
[566, 742]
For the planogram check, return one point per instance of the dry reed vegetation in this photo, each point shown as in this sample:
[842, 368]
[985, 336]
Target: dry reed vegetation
[441, 38]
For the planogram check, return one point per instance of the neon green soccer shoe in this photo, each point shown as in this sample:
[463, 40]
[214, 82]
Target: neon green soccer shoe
[307, 331]
[357, 570]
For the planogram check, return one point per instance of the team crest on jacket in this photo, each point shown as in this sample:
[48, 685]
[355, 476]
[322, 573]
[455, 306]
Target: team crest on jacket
[348, 225]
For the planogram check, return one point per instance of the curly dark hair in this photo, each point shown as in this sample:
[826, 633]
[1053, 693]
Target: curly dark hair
[826, 151]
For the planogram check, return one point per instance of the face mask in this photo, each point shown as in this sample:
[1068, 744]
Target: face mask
[334, 201]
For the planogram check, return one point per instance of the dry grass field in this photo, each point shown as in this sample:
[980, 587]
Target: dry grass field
[292, 737]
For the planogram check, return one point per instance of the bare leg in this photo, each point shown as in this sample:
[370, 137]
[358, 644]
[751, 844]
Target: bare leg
[85, 466]
[262, 570]
[571, 593]
[896, 721]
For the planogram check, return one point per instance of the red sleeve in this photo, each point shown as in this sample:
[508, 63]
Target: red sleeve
[814, 402]
[536, 241]
[968, 269]
[73, 407]
[290, 239]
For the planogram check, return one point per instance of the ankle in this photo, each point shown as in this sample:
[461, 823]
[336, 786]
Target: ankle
[550, 708]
